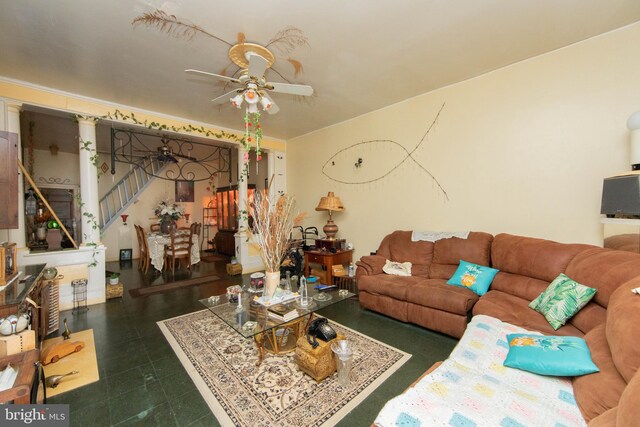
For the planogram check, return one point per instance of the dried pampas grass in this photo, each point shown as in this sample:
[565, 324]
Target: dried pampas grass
[272, 226]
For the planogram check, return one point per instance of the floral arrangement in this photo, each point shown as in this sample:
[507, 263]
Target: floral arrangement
[272, 226]
[167, 211]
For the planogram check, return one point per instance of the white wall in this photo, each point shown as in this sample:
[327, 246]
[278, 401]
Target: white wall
[522, 149]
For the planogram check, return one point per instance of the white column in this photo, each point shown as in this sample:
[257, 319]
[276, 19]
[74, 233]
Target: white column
[242, 247]
[277, 168]
[271, 174]
[88, 181]
[13, 125]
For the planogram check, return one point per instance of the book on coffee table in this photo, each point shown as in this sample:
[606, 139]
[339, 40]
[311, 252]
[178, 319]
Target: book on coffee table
[282, 312]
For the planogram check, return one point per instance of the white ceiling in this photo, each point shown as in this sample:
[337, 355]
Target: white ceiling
[362, 54]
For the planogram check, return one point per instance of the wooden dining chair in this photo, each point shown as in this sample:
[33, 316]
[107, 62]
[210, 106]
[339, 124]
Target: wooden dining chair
[180, 249]
[155, 228]
[145, 260]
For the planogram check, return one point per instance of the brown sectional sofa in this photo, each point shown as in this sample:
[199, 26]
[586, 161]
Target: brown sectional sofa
[610, 323]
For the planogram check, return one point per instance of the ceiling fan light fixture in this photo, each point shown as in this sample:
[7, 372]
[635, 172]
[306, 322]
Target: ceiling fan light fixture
[251, 96]
[265, 103]
[237, 100]
[252, 108]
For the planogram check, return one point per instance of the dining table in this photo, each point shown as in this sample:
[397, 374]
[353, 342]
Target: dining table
[157, 243]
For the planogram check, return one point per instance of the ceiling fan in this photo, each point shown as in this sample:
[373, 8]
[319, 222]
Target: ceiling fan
[166, 154]
[254, 60]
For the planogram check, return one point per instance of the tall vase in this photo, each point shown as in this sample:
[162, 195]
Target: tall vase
[167, 225]
[272, 280]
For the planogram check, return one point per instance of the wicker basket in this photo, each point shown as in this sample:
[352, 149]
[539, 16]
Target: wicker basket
[114, 291]
[318, 362]
[234, 269]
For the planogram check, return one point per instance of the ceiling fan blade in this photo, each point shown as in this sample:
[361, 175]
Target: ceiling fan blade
[218, 76]
[167, 158]
[225, 97]
[302, 90]
[193, 159]
[257, 66]
[274, 107]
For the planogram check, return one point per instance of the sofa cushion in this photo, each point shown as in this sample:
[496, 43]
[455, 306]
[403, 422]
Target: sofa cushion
[385, 305]
[599, 392]
[606, 419]
[589, 317]
[391, 286]
[549, 355]
[521, 286]
[628, 408]
[515, 310]
[453, 324]
[435, 293]
[476, 278]
[447, 253]
[622, 329]
[370, 265]
[398, 246]
[604, 269]
[538, 258]
[561, 300]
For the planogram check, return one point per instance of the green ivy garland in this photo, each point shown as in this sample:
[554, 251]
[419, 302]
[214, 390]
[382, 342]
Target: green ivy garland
[220, 134]
[131, 118]
[95, 157]
[92, 221]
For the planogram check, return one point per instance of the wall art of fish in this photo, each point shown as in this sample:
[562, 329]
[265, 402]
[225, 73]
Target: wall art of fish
[333, 167]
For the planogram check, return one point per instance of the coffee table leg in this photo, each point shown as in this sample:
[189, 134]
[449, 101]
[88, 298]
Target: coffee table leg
[259, 339]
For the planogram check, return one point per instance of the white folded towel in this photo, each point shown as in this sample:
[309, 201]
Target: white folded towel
[432, 236]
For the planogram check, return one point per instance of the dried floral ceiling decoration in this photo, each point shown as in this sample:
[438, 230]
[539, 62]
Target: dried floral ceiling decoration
[355, 151]
[189, 160]
[252, 60]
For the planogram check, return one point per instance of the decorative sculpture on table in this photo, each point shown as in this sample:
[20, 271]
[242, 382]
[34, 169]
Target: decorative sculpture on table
[66, 334]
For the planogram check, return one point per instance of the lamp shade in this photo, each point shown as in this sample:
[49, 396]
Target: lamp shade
[330, 203]
[634, 126]
[634, 121]
[237, 100]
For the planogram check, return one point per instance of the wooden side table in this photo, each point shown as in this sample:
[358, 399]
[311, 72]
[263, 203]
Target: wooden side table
[326, 259]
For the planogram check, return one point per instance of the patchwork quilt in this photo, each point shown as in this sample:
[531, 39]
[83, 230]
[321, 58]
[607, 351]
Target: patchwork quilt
[473, 388]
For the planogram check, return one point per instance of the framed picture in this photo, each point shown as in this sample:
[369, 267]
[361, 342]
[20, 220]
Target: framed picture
[126, 254]
[184, 191]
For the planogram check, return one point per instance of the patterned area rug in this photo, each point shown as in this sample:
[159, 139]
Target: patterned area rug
[222, 365]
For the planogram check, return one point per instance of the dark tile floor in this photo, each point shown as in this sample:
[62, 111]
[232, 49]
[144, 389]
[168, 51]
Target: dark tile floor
[143, 383]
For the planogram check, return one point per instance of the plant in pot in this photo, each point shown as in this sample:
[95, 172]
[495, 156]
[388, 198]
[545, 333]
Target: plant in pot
[114, 278]
[272, 226]
[168, 213]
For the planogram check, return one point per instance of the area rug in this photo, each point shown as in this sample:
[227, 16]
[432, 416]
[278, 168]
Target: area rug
[84, 361]
[155, 288]
[221, 363]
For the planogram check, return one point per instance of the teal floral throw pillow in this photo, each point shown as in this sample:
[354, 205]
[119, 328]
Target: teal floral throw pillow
[562, 299]
[475, 277]
[546, 355]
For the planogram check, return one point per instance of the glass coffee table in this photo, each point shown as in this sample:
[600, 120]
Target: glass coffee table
[251, 320]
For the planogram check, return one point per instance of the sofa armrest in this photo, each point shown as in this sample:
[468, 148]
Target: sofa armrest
[370, 265]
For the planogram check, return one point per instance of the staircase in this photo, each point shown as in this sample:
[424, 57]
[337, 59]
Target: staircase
[127, 190]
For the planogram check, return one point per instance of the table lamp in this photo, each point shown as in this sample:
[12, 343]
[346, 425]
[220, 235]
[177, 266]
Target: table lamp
[330, 203]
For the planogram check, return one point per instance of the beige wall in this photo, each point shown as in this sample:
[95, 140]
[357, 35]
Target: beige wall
[522, 149]
[63, 168]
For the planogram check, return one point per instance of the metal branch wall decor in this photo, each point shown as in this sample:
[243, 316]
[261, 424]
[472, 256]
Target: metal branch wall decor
[354, 151]
[191, 160]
